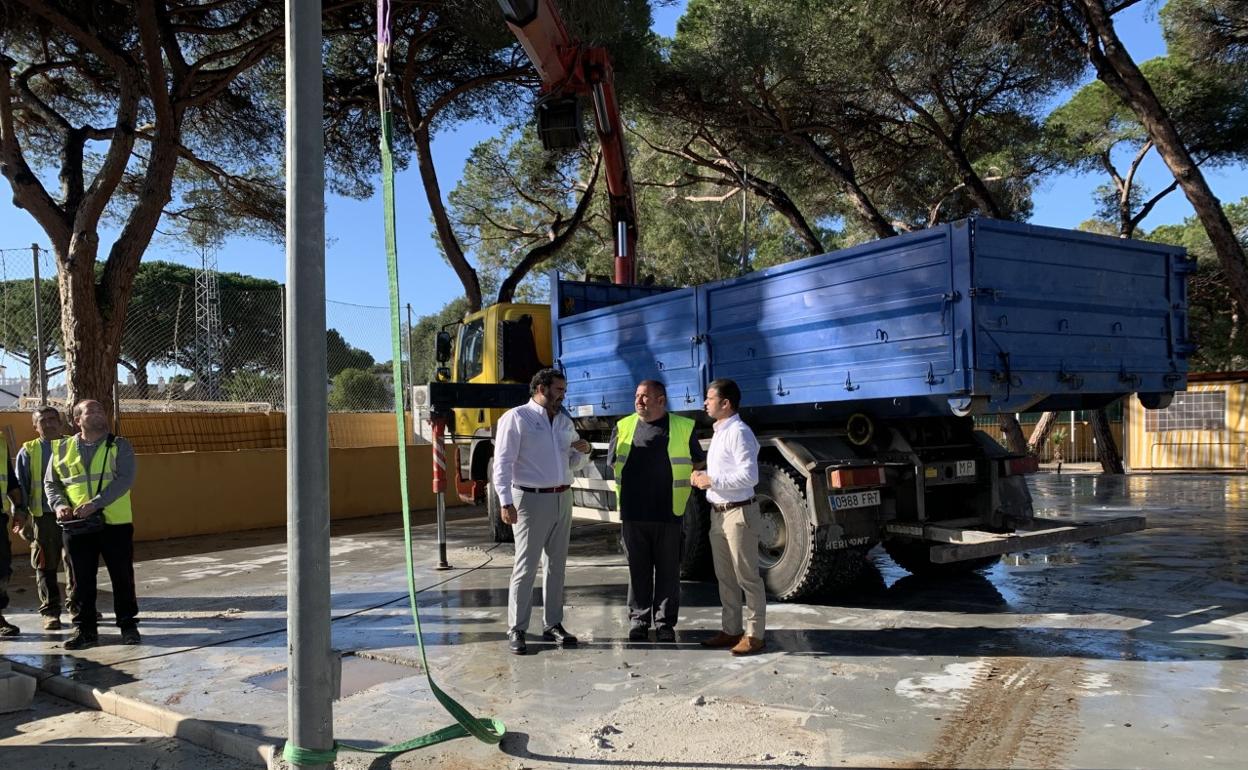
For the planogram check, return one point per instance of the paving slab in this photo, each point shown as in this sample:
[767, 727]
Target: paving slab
[1129, 652]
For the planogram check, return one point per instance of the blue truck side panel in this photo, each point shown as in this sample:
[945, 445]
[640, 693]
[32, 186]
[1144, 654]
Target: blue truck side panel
[1070, 313]
[1013, 316]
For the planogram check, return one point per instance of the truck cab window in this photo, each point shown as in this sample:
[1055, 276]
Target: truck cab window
[520, 360]
[471, 350]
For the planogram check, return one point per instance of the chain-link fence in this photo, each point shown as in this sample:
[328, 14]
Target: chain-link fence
[192, 342]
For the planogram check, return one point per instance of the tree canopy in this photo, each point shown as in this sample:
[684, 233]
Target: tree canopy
[761, 132]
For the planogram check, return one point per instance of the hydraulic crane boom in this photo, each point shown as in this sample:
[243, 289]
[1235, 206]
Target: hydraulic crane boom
[569, 70]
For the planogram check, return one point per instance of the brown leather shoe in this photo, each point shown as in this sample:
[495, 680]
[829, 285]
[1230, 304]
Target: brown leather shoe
[721, 640]
[748, 646]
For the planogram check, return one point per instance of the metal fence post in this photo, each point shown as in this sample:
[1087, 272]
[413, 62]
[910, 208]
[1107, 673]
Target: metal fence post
[38, 351]
[411, 362]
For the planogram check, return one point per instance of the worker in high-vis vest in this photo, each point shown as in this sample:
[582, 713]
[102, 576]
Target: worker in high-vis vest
[652, 453]
[11, 501]
[47, 547]
[88, 486]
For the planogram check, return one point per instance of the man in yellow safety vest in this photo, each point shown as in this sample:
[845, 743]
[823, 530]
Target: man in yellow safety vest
[46, 546]
[88, 485]
[652, 454]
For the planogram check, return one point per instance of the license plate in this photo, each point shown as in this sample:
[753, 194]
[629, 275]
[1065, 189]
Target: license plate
[855, 499]
[966, 467]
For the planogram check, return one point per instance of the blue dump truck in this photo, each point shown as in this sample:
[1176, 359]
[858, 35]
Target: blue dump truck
[861, 371]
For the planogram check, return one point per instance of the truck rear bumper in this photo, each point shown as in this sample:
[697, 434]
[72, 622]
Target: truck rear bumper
[960, 544]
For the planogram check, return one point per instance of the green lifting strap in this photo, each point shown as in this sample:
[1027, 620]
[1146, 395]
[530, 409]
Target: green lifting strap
[484, 729]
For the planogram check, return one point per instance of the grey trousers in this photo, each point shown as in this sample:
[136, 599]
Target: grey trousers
[734, 547]
[542, 529]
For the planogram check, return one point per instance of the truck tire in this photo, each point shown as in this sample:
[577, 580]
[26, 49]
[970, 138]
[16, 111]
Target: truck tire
[696, 562]
[793, 568]
[912, 556]
[499, 530]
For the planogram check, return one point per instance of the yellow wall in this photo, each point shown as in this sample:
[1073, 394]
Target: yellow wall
[200, 493]
[1192, 449]
[152, 432]
[180, 493]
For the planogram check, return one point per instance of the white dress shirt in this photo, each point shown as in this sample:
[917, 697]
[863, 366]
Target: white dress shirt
[732, 462]
[531, 450]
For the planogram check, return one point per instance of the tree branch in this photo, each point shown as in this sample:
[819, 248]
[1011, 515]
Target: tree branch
[28, 192]
[543, 252]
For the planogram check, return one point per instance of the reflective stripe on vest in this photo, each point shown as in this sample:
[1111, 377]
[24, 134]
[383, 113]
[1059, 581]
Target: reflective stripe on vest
[679, 431]
[34, 452]
[81, 485]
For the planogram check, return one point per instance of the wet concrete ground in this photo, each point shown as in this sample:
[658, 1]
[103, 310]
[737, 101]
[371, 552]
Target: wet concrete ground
[1127, 653]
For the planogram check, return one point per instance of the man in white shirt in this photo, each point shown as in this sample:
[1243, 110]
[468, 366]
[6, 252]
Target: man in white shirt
[535, 452]
[729, 479]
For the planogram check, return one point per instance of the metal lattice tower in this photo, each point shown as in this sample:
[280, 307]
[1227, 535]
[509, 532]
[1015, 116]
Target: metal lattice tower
[208, 331]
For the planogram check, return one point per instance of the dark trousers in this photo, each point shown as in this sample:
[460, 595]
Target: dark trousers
[6, 561]
[653, 551]
[116, 544]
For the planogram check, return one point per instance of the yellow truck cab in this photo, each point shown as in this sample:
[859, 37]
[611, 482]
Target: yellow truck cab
[503, 343]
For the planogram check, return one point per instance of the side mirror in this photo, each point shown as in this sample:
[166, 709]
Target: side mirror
[442, 347]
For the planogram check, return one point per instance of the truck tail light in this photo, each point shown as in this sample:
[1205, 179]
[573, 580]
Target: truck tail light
[850, 478]
[1018, 466]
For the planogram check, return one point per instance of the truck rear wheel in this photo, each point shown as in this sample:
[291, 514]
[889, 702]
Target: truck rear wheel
[913, 556]
[792, 566]
[499, 530]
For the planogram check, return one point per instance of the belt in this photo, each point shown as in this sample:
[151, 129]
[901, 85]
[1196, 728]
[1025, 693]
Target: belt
[545, 490]
[722, 507]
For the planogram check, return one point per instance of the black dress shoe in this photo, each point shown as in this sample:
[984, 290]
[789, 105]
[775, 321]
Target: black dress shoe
[665, 634]
[559, 635]
[131, 636]
[639, 634]
[515, 643]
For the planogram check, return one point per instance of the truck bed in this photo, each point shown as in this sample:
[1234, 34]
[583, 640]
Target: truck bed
[971, 317]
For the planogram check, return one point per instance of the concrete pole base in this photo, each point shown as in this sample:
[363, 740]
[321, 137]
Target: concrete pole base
[17, 691]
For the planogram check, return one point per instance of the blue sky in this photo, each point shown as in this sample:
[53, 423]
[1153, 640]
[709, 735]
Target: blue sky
[355, 259]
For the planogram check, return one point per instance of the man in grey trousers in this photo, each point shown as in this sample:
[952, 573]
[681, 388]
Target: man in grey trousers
[536, 450]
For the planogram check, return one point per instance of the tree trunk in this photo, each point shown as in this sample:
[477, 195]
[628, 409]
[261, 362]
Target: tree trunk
[974, 182]
[138, 370]
[781, 202]
[1106, 448]
[1040, 433]
[92, 345]
[539, 254]
[33, 369]
[858, 197]
[442, 221]
[1014, 440]
[1119, 72]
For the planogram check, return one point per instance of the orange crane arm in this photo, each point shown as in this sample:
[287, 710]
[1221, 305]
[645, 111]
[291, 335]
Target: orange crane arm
[570, 70]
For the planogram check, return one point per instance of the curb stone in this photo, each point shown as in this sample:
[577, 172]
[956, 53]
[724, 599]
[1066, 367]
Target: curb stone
[206, 735]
